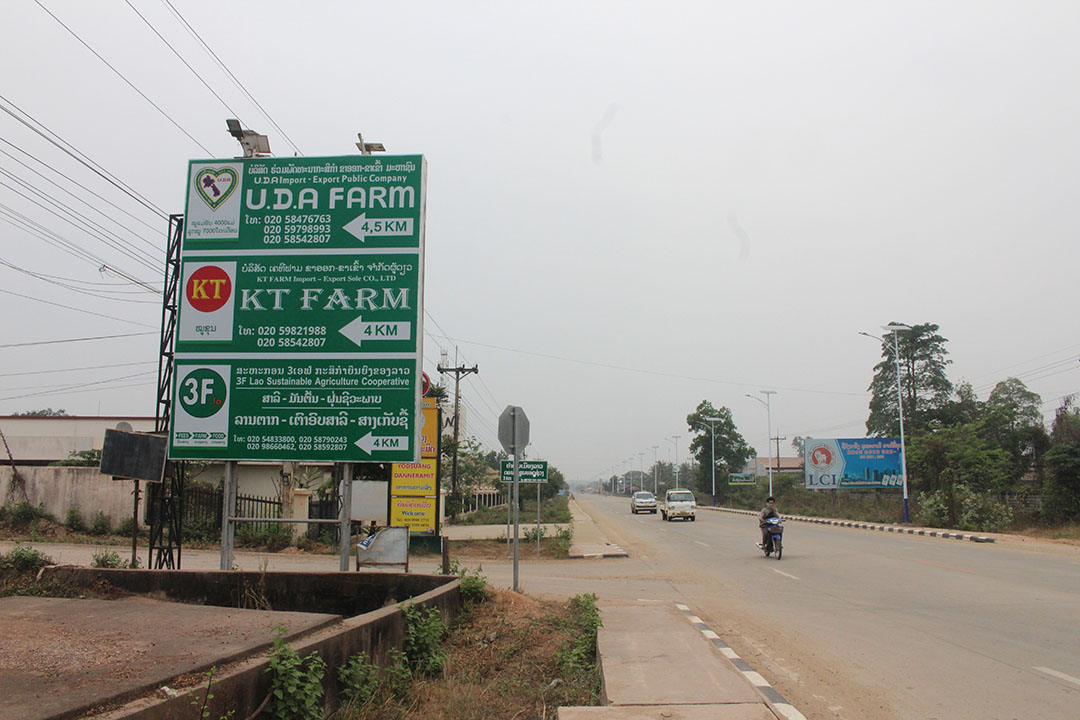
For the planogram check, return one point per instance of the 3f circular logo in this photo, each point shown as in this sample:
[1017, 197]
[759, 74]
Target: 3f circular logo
[208, 288]
[202, 393]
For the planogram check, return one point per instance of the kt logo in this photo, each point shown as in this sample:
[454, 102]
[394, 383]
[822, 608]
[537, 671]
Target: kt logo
[208, 288]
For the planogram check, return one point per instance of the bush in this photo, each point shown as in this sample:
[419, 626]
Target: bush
[973, 512]
[24, 513]
[296, 686]
[201, 530]
[100, 525]
[274, 539]
[474, 587]
[126, 527]
[23, 558]
[560, 544]
[74, 519]
[425, 632]
[108, 559]
[579, 656]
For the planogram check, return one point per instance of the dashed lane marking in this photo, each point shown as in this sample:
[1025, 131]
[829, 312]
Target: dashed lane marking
[1057, 674]
[784, 574]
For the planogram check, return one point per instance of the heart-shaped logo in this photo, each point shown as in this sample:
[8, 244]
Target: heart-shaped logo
[215, 185]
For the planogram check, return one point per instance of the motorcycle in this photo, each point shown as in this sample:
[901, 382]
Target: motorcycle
[774, 529]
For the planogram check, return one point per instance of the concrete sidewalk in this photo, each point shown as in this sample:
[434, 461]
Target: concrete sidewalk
[659, 661]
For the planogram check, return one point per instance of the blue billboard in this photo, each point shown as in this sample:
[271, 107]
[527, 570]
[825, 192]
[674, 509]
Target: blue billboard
[853, 464]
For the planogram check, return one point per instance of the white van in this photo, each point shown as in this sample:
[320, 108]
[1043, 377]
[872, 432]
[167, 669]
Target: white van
[678, 504]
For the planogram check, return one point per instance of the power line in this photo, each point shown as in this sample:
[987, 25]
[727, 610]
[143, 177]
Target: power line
[180, 57]
[89, 226]
[228, 72]
[122, 77]
[82, 339]
[79, 369]
[83, 387]
[68, 307]
[73, 182]
[103, 295]
[51, 137]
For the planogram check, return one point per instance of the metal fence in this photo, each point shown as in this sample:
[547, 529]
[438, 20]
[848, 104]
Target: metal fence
[202, 511]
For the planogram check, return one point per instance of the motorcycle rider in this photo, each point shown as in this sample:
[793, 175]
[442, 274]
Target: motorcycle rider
[769, 511]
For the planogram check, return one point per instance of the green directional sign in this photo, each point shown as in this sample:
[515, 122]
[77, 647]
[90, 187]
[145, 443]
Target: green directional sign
[741, 479]
[300, 325]
[529, 471]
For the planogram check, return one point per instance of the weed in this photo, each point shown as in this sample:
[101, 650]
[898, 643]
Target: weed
[108, 559]
[200, 706]
[274, 539]
[359, 678]
[101, 524]
[474, 586]
[425, 632]
[398, 675]
[24, 559]
[296, 686]
[126, 527]
[74, 519]
[560, 544]
[579, 655]
[24, 513]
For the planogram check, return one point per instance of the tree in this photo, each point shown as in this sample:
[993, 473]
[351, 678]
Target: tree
[926, 389]
[1013, 416]
[730, 451]
[1063, 460]
[958, 455]
[47, 412]
[798, 444]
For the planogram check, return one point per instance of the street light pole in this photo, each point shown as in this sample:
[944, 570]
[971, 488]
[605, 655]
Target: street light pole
[896, 328]
[768, 438]
[675, 441]
[712, 429]
[654, 464]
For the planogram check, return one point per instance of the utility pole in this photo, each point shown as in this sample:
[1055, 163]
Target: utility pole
[778, 439]
[458, 372]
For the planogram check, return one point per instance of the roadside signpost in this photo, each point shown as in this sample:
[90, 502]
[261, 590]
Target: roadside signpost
[514, 438]
[301, 310]
[300, 321]
[529, 471]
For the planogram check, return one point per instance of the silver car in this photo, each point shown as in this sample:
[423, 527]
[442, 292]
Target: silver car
[643, 501]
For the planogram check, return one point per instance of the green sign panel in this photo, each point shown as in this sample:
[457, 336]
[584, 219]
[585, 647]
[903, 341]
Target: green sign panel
[529, 471]
[300, 323]
[741, 479]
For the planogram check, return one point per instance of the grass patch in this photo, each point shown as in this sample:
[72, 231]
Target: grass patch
[553, 510]
[506, 659]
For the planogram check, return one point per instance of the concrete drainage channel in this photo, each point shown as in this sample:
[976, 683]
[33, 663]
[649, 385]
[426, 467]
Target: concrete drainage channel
[73, 656]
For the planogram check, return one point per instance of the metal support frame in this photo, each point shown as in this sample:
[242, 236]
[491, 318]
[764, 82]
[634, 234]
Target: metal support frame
[165, 511]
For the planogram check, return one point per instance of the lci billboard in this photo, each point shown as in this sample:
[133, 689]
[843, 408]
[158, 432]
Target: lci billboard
[853, 464]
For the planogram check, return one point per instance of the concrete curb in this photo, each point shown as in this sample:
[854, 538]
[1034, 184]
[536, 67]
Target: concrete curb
[868, 526]
[611, 551]
[774, 699]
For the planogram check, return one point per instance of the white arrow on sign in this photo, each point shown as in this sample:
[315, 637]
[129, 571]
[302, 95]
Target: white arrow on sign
[372, 444]
[362, 228]
[359, 331]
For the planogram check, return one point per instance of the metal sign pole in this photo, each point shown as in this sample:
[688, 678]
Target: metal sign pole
[517, 479]
[537, 520]
[228, 508]
[346, 517]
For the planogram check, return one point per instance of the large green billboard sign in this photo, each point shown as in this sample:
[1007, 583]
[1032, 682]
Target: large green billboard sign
[301, 310]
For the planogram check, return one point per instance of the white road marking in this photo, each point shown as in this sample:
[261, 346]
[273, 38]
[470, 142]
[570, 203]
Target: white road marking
[710, 634]
[729, 653]
[754, 678]
[701, 543]
[1055, 673]
[784, 574]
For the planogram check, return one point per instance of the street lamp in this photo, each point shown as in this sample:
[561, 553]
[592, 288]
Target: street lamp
[675, 441]
[712, 429]
[895, 328]
[654, 464]
[641, 468]
[768, 437]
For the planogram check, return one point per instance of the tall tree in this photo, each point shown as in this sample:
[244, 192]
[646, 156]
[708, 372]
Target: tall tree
[926, 388]
[1063, 460]
[719, 442]
[1013, 417]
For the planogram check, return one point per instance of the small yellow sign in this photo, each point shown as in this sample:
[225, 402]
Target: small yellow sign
[416, 512]
[413, 478]
[429, 429]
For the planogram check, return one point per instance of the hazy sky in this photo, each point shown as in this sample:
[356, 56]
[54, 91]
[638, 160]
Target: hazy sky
[632, 206]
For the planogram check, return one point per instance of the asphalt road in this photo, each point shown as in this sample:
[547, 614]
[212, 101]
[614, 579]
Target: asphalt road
[854, 623]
